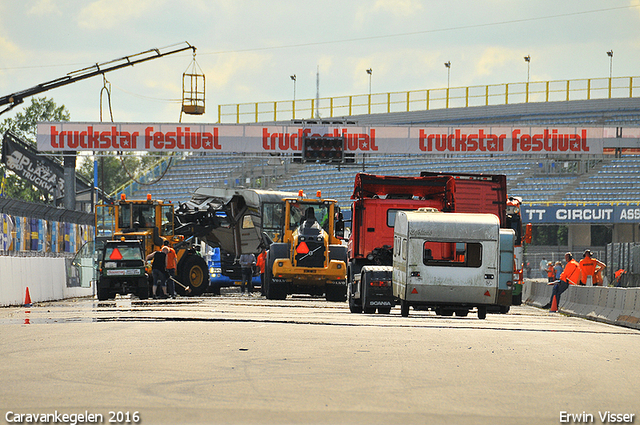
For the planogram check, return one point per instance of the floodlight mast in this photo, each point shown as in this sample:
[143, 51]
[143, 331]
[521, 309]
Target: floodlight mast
[17, 98]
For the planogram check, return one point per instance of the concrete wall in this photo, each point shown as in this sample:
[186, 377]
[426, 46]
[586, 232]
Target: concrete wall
[45, 277]
[617, 306]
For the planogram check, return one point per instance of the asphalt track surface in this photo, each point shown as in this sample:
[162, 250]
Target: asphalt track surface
[247, 360]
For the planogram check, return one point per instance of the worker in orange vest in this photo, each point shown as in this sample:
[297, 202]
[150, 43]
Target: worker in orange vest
[570, 276]
[590, 266]
[551, 273]
[261, 263]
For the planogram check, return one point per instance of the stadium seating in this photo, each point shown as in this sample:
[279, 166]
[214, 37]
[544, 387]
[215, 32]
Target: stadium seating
[611, 180]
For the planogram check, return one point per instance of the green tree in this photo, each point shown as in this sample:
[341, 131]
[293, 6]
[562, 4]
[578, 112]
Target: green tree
[115, 170]
[24, 125]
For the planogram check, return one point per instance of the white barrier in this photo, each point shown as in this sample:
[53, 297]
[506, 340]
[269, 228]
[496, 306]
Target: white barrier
[45, 277]
[617, 306]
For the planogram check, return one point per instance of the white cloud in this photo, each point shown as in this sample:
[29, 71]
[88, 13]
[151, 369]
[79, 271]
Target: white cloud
[8, 50]
[398, 7]
[104, 14]
[44, 8]
[492, 58]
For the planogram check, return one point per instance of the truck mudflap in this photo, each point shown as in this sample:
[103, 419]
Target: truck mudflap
[376, 292]
[284, 270]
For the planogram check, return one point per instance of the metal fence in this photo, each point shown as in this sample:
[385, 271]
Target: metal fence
[19, 208]
[428, 99]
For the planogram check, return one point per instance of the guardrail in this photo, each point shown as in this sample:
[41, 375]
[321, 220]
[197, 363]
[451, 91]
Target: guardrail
[616, 306]
[439, 98]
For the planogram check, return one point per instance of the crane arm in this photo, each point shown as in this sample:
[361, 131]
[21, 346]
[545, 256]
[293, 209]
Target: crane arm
[17, 98]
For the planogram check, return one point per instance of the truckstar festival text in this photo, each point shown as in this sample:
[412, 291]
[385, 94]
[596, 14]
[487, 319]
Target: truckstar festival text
[69, 136]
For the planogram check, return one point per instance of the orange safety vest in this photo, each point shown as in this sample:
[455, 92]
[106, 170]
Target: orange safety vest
[171, 258]
[261, 261]
[597, 278]
[572, 273]
[588, 266]
[550, 271]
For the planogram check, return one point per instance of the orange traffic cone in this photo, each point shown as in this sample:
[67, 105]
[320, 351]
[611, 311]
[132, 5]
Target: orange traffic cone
[27, 299]
[554, 305]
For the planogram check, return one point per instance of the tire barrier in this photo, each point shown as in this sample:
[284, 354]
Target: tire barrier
[616, 306]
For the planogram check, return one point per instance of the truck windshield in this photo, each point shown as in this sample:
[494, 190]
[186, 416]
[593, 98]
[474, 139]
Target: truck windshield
[122, 252]
[300, 210]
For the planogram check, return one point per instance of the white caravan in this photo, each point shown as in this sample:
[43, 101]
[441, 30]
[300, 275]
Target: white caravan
[447, 262]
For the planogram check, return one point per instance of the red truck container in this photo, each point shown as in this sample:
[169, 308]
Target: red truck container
[377, 199]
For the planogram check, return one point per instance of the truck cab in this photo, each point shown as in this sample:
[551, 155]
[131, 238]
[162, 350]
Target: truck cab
[121, 270]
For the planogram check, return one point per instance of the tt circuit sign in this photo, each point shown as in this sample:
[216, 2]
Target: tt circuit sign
[584, 214]
[382, 140]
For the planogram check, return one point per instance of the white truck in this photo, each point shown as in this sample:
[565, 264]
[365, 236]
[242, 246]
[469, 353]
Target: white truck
[447, 262]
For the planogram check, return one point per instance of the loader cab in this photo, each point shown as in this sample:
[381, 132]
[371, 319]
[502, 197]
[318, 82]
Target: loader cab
[321, 213]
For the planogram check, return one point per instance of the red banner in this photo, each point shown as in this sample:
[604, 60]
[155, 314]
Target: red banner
[238, 138]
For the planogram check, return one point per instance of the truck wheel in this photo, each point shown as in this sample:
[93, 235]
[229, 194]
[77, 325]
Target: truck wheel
[194, 274]
[384, 310]
[353, 307]
[103, 294]
[273, 291]
[143, 292]
[463, 312]
[482, 312]
[517, 299]
[335, 293]
[404, 308]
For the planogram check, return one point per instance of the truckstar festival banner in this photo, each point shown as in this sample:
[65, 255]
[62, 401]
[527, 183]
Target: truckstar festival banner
[231, 138]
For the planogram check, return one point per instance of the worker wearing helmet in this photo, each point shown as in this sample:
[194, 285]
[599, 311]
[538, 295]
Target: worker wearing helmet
[590, 266]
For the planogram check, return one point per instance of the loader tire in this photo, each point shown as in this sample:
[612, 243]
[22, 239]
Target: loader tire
[273, 291]
[194, 274]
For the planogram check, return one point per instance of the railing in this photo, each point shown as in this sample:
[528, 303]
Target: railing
[150, 174]
[420, 100]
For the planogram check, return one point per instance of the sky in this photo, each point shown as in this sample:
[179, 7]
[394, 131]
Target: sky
[248, 49]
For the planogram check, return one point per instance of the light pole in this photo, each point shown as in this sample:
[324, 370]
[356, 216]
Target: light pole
[369, 71]
[293, 106]
[610, 54]
[527, 59]
[448, 65]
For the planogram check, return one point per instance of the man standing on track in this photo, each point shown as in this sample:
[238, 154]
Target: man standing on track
[159, 271]
[171, 267]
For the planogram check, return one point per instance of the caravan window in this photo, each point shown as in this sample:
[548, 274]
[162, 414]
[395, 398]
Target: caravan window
[453, 254]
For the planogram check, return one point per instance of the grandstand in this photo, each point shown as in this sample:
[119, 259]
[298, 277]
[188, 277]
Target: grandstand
[610, 178]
